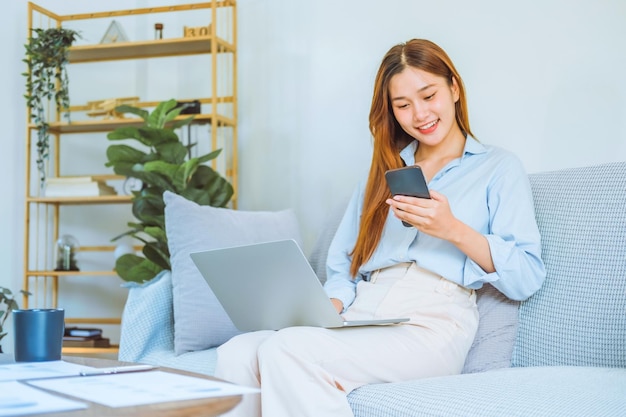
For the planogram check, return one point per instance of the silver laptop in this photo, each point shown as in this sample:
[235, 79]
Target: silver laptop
[270, 286]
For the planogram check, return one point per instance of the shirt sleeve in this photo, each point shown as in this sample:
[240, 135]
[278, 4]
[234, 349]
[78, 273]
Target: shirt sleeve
[514, 239]
[339, 283]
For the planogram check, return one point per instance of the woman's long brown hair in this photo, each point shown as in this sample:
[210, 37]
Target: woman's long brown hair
[390, 138]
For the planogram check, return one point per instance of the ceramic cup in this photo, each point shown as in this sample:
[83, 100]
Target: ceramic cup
[38, 334]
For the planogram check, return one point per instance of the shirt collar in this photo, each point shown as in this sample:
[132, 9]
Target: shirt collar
[472, 147]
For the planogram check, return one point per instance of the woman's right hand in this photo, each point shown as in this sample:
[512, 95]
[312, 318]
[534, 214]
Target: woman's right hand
[337, 304]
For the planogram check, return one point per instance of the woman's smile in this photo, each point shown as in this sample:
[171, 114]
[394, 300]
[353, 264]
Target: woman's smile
[429, 127]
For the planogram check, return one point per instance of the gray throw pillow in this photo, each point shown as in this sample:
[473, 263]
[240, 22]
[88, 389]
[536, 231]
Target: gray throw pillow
[200, 322]
[497, 329]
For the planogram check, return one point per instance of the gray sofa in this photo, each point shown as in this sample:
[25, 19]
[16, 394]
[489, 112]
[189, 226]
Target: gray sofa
[560, 353]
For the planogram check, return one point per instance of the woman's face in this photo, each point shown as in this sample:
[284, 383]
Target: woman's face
[423, 104]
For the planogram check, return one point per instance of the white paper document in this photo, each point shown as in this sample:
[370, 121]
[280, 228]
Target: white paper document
[17, 399]
[31, 370]
[138, 388]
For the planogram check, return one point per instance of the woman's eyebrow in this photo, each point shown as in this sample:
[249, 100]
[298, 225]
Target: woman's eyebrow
[426, 87]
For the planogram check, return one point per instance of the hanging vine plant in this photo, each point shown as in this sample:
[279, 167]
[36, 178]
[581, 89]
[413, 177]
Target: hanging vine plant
[46, 79]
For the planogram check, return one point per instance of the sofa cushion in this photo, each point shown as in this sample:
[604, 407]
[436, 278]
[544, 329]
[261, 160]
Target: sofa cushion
[146, 319]
[577, 317]
[200, 322]
[493, 344]
[523, 392]
[147, 334]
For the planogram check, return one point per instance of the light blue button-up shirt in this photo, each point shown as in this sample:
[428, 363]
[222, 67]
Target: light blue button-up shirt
[488, 189]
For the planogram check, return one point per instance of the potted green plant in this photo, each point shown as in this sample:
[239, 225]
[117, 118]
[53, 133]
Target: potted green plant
[6, 298]
[161, 163]
[46, 79]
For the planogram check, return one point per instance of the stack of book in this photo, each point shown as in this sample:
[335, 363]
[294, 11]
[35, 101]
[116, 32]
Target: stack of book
[82, 337]
[84, 186]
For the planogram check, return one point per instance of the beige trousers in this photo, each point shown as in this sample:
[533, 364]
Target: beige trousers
[309, 371]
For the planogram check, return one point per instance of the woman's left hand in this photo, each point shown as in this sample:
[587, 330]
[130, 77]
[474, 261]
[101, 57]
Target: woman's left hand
[432, 216]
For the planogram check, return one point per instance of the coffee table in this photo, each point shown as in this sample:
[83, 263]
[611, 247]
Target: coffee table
[207, 407]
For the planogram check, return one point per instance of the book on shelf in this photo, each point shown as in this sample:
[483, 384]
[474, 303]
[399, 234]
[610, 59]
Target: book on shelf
[71, 179]
[78, 188]
[71, 341]
[81, 338]
[82, 332]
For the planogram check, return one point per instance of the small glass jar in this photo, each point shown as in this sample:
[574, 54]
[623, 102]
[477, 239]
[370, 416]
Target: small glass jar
[67, 246]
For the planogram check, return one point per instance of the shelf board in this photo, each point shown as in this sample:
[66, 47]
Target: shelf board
[108, 125]
[148, 49]
[102, 199]
[53, 273]
[76, 350]
[93, 320]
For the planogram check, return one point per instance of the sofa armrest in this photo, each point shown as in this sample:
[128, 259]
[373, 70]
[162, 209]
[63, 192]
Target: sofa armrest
[147, 319]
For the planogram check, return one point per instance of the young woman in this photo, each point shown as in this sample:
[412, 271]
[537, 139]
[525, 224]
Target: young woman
[478, 227]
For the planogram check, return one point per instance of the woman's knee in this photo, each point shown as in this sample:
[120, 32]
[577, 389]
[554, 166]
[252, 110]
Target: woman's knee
[289, 342]
[241, 350]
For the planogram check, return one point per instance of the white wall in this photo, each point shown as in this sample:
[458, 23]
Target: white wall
[544, 78]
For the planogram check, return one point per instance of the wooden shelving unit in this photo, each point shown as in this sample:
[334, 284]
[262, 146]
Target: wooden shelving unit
[45, 215]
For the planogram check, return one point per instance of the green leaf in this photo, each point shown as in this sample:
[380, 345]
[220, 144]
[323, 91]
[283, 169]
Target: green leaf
[207, 187]
[180, 123]
[128, 132]
[125, 108]
[172, 152]
[158, 117]
[134, 268]
[148, 207]
[156, 232]
[157, 253]
[125, 154]
[209, 156]
[152, 136]
[148, 136]
[177, 174]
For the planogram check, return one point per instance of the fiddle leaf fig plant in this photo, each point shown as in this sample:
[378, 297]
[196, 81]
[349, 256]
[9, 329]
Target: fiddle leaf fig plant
[46, 79]
[161, 162]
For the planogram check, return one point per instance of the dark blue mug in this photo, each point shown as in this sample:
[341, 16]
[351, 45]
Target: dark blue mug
[38, 334]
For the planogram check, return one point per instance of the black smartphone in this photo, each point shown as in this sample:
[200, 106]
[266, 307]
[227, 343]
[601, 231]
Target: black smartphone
[407, 181]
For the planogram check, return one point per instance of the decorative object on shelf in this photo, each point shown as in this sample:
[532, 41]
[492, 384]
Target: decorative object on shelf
[86, 342]
[7, 298]
[158, 31]
[67, 246]
[107, 107]
[115, 33]
[82, 331]
[189, 107]
[165, 166]
[132, 185]
[193, 32]
[46, 79]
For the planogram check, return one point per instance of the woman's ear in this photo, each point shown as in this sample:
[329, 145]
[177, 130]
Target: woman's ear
[455, 89]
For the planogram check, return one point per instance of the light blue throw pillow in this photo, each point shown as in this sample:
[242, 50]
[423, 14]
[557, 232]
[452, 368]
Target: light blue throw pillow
[200, 322]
